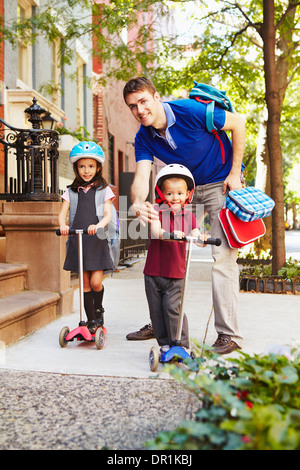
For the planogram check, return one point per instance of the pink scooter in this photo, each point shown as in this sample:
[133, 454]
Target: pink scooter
[81, 333]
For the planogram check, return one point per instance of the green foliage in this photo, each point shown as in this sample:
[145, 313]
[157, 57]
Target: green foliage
[80, 133]
[290, 270]
[245, 403]
[227, 51]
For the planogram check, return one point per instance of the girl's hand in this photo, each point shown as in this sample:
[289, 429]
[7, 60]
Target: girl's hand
[64, 229]
[92, 229]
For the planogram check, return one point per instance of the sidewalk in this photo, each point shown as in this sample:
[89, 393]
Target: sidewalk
[79, 398]
[264, 319]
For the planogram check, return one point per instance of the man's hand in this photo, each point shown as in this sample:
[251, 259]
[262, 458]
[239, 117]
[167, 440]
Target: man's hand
[233, 181]
[144, 212]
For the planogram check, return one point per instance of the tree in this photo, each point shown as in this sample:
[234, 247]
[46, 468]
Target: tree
[234, 43]
[225, 52]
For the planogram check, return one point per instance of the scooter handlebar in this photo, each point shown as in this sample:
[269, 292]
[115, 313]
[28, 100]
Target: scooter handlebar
[72, 231]
[210, 241]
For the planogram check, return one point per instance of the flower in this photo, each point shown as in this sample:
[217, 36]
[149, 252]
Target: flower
[249, 404]
[242, 394]
[246, 439]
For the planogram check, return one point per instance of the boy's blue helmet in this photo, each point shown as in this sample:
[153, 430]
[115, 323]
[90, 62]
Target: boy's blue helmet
[87, 149]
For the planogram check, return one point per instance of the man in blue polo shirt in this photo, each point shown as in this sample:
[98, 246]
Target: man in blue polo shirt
[175, 132]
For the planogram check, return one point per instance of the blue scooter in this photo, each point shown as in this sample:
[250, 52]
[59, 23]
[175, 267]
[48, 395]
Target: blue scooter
[177, 352]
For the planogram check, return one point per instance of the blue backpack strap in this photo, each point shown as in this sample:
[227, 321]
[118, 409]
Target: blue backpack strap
[210, 117]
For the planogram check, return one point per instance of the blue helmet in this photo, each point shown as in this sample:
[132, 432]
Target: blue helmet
[87, 149]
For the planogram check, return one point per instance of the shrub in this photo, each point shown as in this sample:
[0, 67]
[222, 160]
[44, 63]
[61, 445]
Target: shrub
[245, 403]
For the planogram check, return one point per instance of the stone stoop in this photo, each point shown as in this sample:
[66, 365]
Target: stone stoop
[22, 311]
[12, 278]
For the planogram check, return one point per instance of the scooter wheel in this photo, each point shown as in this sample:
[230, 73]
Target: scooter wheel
[153, 359]
[62, 336]
[99, 338]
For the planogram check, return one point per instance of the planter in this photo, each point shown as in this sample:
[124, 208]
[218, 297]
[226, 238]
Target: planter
[254, 262]
[270, 285]
[67, 142]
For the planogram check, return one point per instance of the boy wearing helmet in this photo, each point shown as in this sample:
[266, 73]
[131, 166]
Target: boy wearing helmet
[176, 132]
[81, 201]
[165, 264]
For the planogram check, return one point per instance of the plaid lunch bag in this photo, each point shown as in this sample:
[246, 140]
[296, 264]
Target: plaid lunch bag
[249, 203]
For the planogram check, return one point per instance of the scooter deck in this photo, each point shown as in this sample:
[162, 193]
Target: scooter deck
[82, 333]
[174, 352]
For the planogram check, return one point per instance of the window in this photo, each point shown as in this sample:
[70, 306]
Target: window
[80, 91]
[56, 72]
[24, 49]
[121, 161]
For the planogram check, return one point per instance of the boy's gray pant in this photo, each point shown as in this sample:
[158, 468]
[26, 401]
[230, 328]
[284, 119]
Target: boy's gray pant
[164, 298]
[225, 272]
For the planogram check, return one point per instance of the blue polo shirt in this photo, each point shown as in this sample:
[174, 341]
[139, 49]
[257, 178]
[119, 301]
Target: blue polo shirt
[188, 142]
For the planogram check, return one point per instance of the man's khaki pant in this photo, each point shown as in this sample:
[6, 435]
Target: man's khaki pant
[225, 272]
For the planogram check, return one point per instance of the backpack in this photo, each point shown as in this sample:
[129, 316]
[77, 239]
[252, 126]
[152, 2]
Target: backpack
[238, 232]
[111, 232]
[211, 96]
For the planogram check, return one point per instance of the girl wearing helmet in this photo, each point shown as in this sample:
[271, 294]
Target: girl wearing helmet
[165, 264]
[80, 201]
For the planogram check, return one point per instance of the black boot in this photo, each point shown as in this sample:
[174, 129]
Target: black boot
[99, 310]
[90, 311]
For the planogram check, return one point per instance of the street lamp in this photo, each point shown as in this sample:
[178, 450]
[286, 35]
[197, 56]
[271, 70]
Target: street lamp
[48, 122]
[42, 147]
[35, 113]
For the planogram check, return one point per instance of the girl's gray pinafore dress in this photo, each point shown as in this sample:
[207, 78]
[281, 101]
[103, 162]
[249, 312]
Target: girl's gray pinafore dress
[96, 254]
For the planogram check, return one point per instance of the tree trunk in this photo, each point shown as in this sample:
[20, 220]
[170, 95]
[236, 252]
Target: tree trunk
[262, 181]
[273, 136]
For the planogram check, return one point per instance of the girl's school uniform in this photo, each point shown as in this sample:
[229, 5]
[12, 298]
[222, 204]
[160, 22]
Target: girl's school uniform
[96, 256]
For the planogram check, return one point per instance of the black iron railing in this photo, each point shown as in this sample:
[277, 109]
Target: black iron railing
[30, 160]
[132, 244]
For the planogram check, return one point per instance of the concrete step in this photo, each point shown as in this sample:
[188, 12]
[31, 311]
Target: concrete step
[25, 312]
[12, 278]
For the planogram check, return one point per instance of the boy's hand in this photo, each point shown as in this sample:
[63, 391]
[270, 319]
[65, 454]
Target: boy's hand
[203, 237]
[179, 234]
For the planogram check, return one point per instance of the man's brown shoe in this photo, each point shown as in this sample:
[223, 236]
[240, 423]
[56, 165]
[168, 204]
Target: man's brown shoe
[224, 345]
[144, 333]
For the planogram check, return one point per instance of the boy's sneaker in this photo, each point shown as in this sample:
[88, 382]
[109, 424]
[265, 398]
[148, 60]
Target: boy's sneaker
[144, 333]
[165, 348]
